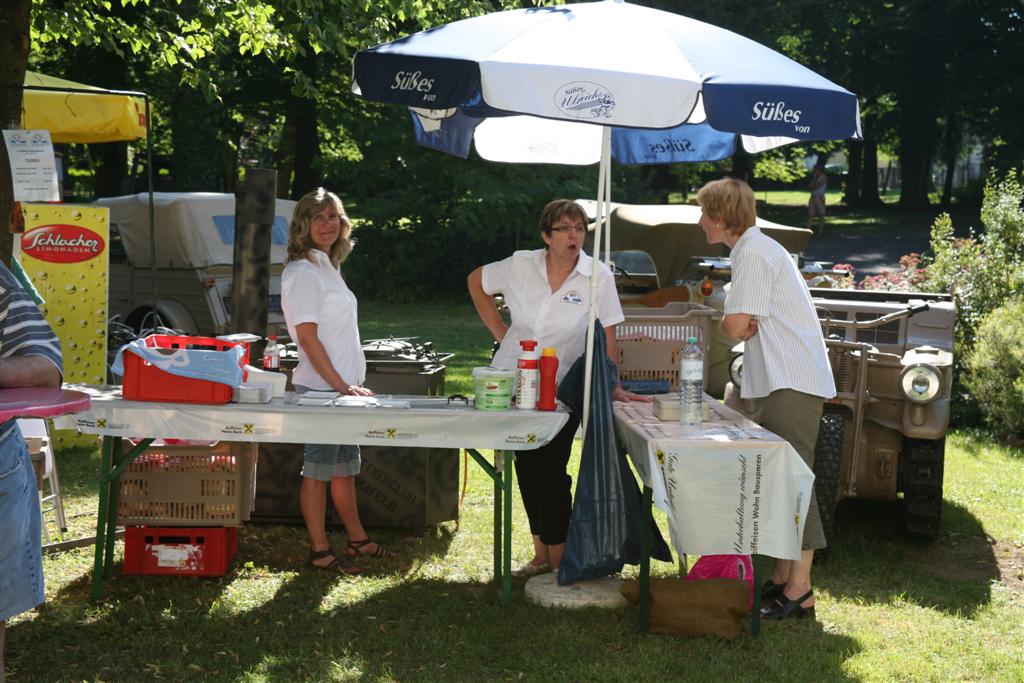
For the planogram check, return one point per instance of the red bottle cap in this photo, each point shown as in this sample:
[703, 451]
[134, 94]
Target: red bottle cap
[528, 344]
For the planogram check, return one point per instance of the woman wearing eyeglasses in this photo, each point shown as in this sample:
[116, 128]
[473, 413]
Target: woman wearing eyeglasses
[547, 292]
[321, 314]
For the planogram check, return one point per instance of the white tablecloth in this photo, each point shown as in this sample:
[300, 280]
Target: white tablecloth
[731, 488]
[440, 426]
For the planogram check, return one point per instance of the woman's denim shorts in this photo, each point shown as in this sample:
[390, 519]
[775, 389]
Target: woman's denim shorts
[21, 562]
[324, 461]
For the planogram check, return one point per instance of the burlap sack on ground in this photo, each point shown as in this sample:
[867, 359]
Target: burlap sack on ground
[694, 608]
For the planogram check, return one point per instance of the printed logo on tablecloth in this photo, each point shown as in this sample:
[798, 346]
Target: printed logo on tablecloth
[521, 439]
[748, 506]
[390, 434]
[246, 429]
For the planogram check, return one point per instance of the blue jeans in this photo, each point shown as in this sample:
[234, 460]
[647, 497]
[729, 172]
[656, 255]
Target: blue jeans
[324, 461]
[21, 560]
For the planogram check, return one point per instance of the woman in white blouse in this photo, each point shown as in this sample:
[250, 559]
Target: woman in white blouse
[548, 296]
[785, 365]
[321, 313]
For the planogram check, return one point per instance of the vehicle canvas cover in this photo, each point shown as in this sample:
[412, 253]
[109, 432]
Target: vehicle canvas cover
[193, 229]
[672, 236]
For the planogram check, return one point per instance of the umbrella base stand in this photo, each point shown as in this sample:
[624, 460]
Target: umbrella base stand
[544, 590]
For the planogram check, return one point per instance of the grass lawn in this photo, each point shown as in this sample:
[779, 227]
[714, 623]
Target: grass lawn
[888, 608]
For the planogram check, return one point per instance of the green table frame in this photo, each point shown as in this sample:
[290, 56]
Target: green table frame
[113, 464]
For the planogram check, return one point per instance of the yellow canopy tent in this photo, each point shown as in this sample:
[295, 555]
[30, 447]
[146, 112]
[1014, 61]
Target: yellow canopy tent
[74, 112]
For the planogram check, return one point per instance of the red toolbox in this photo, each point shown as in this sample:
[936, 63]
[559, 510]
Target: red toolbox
[184, 551]
[144, 382]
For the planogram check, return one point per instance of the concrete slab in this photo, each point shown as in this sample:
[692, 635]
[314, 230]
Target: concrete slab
[604, 592]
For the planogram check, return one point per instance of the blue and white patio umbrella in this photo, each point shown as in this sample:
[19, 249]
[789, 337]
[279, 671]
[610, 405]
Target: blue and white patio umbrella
[588, 82]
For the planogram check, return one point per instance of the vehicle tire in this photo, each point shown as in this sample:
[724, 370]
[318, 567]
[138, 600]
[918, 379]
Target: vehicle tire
[828, 458]
[921, 466]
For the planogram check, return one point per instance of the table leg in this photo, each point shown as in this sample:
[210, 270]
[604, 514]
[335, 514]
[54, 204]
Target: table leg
[101, 515]
[501, 473]
[506, 591]
[645, 559]
[499, 524]
[114, 491]
[111, 467]
[755, 616]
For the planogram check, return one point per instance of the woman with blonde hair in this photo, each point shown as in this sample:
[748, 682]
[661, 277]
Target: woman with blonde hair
[785, 364]
[321, 313]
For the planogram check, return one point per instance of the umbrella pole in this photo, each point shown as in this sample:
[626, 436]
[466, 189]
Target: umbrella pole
[603, 188]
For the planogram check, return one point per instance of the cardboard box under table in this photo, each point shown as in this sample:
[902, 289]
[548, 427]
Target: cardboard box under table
[424, 423]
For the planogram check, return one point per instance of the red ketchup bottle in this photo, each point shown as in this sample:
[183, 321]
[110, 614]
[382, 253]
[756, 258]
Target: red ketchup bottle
[548, 388]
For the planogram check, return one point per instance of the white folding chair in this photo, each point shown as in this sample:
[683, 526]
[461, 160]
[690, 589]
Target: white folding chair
[36, 433]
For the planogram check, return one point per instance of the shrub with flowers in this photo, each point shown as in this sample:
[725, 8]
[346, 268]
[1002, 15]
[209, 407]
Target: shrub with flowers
[908, 278]
[982, 272]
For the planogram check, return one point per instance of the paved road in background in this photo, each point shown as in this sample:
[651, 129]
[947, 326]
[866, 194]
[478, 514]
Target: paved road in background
[869, 254]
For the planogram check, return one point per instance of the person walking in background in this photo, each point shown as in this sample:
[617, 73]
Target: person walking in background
[30, 356]
[785, 363]
[816, 205]
[321, 313]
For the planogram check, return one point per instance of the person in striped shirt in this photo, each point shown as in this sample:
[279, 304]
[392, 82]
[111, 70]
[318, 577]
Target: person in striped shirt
[29, 356]
[785, 363]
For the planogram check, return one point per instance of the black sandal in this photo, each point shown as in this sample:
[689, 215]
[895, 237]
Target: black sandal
[355, 549]
[771, 591]
[784, 608]
[338, 566]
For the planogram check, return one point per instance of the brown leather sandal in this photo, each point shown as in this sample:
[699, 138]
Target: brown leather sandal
[355, 549]
[337, 566]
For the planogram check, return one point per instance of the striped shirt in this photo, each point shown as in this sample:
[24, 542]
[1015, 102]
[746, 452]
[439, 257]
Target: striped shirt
[23, 330]
[788, 351]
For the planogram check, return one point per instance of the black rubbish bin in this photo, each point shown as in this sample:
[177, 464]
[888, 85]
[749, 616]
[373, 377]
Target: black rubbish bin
[397, 486]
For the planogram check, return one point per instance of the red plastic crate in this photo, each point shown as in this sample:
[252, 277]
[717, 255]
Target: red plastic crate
[182, 551]
[144, 382]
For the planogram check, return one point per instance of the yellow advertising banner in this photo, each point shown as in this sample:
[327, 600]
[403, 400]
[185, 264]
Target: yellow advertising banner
[64, 251]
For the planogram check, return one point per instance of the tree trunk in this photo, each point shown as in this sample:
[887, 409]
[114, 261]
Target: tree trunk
[111, 165]
[14, 48]
[869, 197]
[915, 168]
[307, 147]
[196, 160]
[854, 155]
[286, 157]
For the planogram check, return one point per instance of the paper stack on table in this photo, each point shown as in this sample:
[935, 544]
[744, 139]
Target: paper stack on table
[317, 398]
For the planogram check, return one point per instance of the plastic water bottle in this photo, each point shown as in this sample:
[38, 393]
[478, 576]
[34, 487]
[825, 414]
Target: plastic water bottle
[691, 385]
[527, 375]
[272, 354]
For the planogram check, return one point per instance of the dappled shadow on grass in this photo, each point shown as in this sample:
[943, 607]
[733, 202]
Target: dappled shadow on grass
[871, 558]
[313, 628]
[976, 441]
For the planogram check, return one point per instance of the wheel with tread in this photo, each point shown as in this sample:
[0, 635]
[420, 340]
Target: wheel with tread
[921, 466]
[828, 458]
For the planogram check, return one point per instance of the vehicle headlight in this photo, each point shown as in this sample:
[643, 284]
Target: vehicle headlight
[921, 383]
[736, 369]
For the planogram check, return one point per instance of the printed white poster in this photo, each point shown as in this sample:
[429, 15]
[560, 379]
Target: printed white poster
[33, 166]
